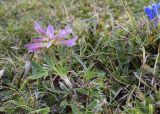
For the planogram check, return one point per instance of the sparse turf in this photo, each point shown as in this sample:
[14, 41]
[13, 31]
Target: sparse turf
[114, 68]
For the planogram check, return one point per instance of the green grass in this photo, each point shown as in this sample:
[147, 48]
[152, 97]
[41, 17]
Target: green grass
[114, 68]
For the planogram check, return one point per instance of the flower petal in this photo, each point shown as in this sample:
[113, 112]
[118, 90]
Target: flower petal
[149, 12]
[50, 31]
[34, 47]
[38, 40]
[155, 9]
[158, 6]
[64, 32]
[39, 29]
[70, 42]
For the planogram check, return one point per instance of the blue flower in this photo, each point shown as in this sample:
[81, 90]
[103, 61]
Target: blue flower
[152, 11]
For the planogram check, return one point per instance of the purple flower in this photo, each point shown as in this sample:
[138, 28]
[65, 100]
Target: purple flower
[34, 47]
[70, 42]
[64, 32]
[50, 32]
[38, 40]
[48, 38]
[39, 29]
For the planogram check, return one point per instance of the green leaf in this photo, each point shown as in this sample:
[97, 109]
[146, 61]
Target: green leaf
[90, 74]
[80, 61]
[49, 61]
[82, 91]
[38, 75]
[37, 67]
[64, 103]
[151, 109]
[2, 109]
[39, 71]
[76, 110]
[41, 110]
[17, 104]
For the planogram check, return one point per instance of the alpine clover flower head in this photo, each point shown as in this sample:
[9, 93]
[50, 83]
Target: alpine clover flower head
[153, 13]
[48, 38]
